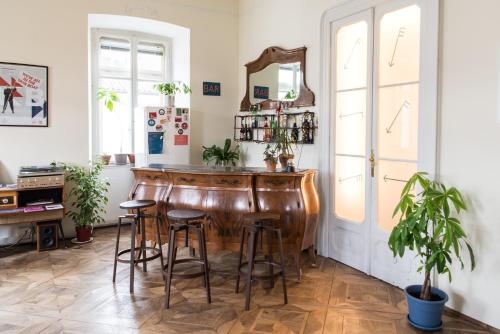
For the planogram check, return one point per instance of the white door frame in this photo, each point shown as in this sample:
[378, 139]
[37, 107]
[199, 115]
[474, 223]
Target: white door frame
[427, 101]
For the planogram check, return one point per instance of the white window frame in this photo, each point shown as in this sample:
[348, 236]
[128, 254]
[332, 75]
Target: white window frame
[96, 121]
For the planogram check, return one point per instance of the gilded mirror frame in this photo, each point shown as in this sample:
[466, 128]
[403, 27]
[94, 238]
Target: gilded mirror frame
[278, 55]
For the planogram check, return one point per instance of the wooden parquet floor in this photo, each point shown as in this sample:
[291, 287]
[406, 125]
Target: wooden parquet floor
[70, 291]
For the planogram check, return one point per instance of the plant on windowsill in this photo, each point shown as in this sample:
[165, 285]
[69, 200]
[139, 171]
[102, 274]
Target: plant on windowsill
[169, 89]
[87, 197]
[110, 98]
[428, 227]
[222, 156]
[270, 158]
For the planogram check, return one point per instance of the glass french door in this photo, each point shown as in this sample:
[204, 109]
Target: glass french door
[376, 70]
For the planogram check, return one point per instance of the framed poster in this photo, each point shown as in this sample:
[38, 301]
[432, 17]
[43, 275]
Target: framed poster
[23, 95]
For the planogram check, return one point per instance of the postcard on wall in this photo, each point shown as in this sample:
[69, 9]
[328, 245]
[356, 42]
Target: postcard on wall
[23, 95]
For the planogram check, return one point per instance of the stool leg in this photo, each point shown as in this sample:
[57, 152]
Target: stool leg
[251, 255]
[270, 267]
[116, 249]
[282, 260]
[242, 243]
[142, 222]
[206, 269]
[170, 265]
[132, 255]
[158, 239]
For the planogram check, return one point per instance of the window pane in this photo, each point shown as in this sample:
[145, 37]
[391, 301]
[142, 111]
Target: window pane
[350, 188]
[116, 125]
[350, 122]
[150, 61]
[391, 178]
[114, 57]
[352, 56]
[147, 95]
[399, 56]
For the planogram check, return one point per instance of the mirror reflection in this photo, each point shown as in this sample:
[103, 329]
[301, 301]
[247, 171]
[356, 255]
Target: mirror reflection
[276, 82]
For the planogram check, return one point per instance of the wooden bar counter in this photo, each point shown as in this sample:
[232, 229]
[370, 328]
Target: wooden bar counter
[227, 193]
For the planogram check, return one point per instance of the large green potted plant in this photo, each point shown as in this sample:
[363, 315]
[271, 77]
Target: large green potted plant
[270, 158]
[221, 155]
[428, 226]
[87, 198]
[169, 89]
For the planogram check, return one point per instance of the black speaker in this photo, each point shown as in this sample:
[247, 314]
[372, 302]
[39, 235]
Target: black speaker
[47, 235]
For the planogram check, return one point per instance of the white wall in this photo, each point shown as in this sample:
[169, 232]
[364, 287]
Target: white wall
[55, 33]
[469, 110]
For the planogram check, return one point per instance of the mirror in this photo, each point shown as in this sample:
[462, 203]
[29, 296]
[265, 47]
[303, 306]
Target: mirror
[278, 75]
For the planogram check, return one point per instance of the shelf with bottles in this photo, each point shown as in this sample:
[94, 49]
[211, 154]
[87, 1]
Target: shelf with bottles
[258, 128]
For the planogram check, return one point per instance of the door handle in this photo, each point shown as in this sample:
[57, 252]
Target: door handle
[372, 164]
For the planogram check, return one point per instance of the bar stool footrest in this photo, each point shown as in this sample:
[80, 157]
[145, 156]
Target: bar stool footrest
[156, 254]
[191, 275]
[261, 277]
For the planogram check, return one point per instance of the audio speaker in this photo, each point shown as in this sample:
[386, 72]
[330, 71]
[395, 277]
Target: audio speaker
[47, 235]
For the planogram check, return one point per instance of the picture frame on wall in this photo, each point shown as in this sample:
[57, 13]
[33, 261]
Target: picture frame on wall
[24, 95]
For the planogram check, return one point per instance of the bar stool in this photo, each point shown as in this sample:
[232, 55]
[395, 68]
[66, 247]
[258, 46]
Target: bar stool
[188, 220]
[254, 224]
[139, 223]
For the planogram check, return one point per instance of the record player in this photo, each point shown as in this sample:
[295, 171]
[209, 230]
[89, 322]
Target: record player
[40, 177]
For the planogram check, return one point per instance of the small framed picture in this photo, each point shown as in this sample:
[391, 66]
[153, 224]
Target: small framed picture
[24, 95]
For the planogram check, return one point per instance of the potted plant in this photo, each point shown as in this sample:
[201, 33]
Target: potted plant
[105, 158]
[169, 89]
[222, 156]
[109, 99]
[284, 147]
[428, 227]
[87, 197]
[270, 158]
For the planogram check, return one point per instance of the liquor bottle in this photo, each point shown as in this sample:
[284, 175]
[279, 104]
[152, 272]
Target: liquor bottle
[267, 131]
[294, 136]
[242, 130]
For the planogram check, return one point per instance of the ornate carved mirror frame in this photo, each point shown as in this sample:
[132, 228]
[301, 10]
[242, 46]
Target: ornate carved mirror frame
[278, 55]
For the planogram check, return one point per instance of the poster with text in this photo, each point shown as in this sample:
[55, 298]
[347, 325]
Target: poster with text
[23, 95]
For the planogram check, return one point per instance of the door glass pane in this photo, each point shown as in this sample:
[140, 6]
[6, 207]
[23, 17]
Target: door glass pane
[397, 124]
[350, 188]
[352, 56]
[350, 122]
[114, 57]
[399, 49]
[150, 61]
[391, 178]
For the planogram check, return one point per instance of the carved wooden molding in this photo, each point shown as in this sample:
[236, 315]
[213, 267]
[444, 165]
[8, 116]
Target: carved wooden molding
[276, 54]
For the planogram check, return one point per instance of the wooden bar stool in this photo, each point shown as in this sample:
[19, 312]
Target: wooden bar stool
[254, 224]
[139, 224]
[188, 220]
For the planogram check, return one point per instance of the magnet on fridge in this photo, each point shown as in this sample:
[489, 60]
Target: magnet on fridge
[180, 131]
[178, 111]
[180, 140]
[169, 111]
[152, 115]
[176, 125]
[161, 111]
[159, 127]
[163, 121]
[151, 122]
[184, 126]
[178, 119]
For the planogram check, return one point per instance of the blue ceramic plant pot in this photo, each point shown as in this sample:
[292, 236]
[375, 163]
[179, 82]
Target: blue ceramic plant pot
[425, 314]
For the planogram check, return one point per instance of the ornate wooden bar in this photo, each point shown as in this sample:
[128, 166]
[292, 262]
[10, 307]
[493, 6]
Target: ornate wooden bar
[227, 193]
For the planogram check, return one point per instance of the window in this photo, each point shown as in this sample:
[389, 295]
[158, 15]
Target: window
[128, 64]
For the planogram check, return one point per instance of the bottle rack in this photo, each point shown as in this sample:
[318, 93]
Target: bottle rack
[252, 128]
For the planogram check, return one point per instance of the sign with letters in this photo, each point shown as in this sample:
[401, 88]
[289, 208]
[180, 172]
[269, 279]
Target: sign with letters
[211, 88]
[261, 92]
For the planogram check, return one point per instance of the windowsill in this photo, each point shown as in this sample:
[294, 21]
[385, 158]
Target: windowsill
[113, 165]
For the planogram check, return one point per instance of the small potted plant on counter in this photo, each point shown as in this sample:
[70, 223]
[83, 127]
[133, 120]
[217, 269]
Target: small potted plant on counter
[222, 156]
[169, 89]
[284, 147]
[427, 227]
[88, 198]
[270, 158]
[109, 99]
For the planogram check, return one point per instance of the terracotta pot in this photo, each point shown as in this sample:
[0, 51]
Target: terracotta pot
[284, 160]
[271, 166]
[105, 158]
[131, 158]
[83, 234]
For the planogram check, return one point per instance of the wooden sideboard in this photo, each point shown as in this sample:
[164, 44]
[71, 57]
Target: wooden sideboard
[227, 193]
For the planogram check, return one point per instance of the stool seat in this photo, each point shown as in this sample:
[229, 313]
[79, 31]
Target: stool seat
[137, 204]
[185, 214]
[256, 217]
